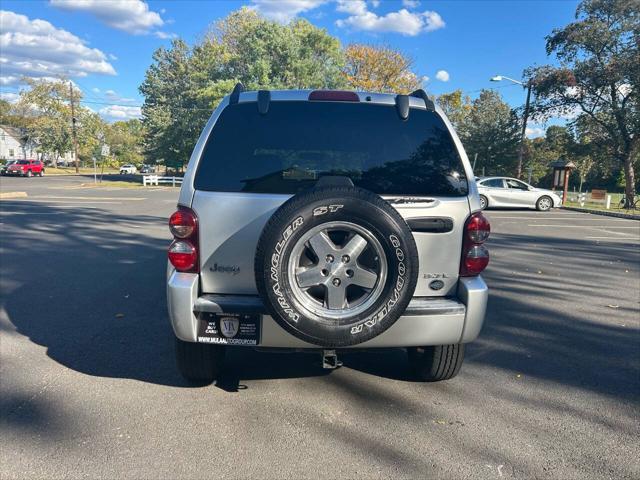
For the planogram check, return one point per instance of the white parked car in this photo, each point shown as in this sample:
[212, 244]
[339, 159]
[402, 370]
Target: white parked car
[510, 192]
[128, 168]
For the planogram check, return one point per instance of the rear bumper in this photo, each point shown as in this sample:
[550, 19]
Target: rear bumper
[427, 320]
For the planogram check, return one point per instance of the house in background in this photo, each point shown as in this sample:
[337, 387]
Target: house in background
[14, 145]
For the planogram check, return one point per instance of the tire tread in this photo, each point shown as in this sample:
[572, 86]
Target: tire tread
[437, 363]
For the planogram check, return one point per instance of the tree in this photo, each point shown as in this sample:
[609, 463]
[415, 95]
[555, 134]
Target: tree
[167, 115]
[43, 111]
[379, 69]
[491, 130]
[126, 141]
[47, 104]
[455, 106]
[599, 56]
[244, 47]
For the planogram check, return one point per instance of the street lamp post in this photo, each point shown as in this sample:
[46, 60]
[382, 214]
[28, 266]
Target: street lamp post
[525, 117]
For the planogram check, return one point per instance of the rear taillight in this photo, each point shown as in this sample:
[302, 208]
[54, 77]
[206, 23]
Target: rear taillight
[182, 223]
[475, 256]
[183, 252]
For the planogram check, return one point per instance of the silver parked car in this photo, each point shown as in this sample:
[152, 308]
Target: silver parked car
[510, 192]
[325, 220]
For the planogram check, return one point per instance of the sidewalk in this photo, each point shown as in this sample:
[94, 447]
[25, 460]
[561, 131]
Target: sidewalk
[607, 213]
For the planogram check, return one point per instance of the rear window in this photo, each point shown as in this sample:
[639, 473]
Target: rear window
[295, 143]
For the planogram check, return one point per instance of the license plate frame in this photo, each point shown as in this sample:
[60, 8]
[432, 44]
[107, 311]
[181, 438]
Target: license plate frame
[234, 329]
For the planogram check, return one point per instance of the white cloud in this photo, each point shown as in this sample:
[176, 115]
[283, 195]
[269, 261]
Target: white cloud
[285, 10]
[534, 132]
[95, 90]
[35, 48]
[10, 97]
[411, 3]
[352, 7]
[433, 21]
[403, 21]
[131, 16]
[165, 35]
[112, 57]
[442, 75]
[114, 97]
[375, 3]
[120, 112]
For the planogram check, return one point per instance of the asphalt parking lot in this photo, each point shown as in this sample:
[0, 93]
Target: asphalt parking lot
[89, 388]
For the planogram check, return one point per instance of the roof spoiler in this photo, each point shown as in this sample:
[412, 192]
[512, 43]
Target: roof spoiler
[264, 98]
[235, 94]
[420, 93]
[402, 102]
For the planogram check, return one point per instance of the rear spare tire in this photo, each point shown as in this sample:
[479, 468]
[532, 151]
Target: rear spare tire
[336, 266]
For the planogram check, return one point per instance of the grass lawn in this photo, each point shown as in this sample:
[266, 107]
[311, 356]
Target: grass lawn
[114, 184]
[72, 171]
[601, 207]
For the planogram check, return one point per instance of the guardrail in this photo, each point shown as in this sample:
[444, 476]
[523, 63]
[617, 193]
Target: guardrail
[156, 180]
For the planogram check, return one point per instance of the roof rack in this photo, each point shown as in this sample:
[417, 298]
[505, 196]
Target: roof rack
[420, 93]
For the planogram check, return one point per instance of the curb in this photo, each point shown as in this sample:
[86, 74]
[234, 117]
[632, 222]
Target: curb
[603, 213]
[13, 194]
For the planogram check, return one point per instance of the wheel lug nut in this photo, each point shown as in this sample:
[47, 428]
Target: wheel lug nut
[336, 282]
[345, 259]
[330, 258]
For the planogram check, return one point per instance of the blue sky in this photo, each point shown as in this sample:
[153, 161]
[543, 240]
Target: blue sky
[106, 46]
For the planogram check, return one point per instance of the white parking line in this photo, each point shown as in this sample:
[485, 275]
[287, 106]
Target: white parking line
[89, 197]
[611, 232]
[556, 217]
[77, 202]
[582, 226]
[626, 239]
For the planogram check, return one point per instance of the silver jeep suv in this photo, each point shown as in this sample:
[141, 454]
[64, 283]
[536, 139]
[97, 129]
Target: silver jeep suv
[327, 220]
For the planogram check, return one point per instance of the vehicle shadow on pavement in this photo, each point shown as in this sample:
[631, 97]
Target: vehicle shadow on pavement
[567, 322]
[246, 364]
[538, 324]
[89, 285]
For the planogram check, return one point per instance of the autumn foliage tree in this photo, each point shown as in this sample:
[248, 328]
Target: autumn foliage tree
[379, 69]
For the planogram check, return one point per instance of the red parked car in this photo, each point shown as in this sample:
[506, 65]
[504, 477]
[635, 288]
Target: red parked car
[26, 168]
